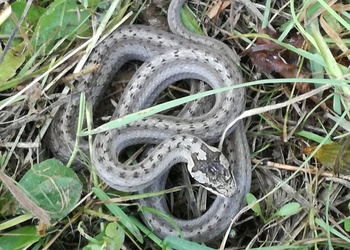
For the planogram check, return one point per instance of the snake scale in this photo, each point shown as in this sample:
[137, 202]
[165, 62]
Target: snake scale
[167, 58]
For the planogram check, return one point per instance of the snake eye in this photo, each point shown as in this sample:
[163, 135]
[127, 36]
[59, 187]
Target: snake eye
[216, 169]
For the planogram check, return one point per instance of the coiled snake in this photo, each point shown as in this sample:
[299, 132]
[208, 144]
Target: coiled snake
[168, 58]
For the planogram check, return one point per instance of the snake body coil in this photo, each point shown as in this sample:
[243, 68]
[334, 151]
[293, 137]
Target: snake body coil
[168, 58]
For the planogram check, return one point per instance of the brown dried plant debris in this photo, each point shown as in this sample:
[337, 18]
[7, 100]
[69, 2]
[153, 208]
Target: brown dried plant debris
[271, 57]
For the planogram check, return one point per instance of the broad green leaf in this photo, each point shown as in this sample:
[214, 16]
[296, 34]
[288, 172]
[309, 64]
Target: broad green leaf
[20, 238]
[347, 224]
[61, 19]
[111, 238]
[31, 18]
[288, 209]
[114, 235]
[347, 221]
[250, 198]
[53, 187]
[189, 21]
[14, 58]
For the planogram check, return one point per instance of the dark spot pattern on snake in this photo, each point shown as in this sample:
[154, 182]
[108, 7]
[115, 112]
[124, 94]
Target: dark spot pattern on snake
[206, 51]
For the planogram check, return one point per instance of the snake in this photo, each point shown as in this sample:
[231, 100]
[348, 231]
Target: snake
[168, 58]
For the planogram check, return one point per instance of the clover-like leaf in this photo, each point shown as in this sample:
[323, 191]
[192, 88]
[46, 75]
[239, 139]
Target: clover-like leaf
[53, 187]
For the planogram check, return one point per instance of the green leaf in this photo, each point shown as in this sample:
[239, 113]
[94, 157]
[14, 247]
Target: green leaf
[31, 18]
[250, 198]
[60, 20]
[326, 227]
[312, 136]
[114, 236]
[111, 238]
[53, 187]
[347, 224]
[117, 211]
[288, 209]
[20, 238]
[347, 221]
[189, 21]
[14, 58]
[181, 244]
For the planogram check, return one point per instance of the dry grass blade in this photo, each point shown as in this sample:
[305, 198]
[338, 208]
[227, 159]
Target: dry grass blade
[23, 199]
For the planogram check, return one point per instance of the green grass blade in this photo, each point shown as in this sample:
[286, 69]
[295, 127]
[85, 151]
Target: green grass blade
[124, 219]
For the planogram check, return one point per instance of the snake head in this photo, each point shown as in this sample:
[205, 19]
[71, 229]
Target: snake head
[212, 170]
